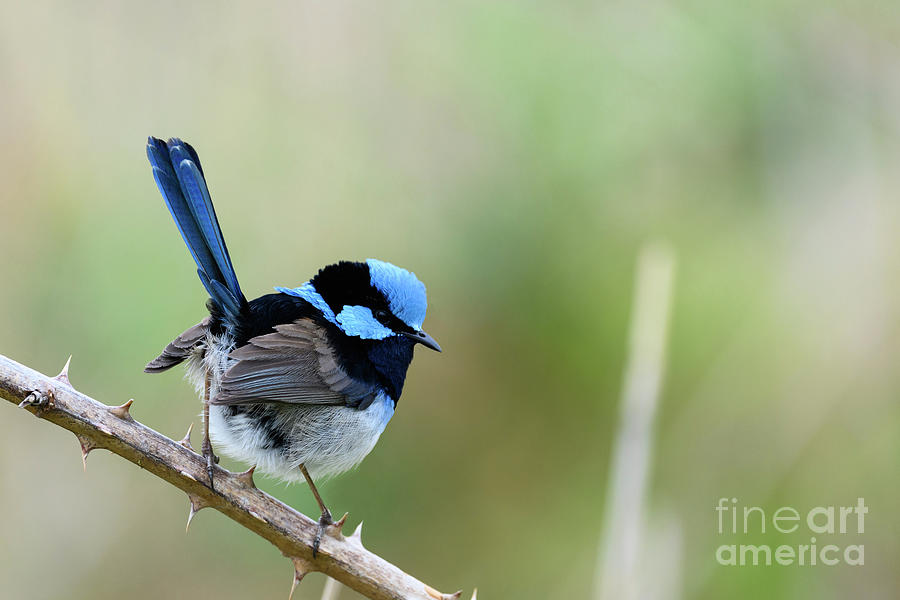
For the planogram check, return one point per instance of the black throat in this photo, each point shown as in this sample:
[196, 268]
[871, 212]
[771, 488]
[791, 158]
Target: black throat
[391, 357]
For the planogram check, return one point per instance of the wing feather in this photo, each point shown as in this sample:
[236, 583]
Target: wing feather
[180, 348]
[296, 365]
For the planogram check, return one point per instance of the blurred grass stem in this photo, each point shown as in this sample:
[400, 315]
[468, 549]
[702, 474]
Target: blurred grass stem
[619, 575]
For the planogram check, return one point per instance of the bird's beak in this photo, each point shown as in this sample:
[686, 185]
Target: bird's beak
[420, 337]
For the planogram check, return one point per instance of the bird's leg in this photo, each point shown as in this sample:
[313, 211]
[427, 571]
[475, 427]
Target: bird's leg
[325, 519]
[206, 448]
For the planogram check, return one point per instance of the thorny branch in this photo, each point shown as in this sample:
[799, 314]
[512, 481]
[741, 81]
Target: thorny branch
[113, 428]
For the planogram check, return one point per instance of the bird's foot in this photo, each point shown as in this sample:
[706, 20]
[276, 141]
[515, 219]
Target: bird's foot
[325, 521]
[211, 461]
[330, 527]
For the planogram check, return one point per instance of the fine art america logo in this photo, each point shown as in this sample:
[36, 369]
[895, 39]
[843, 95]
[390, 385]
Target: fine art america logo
[821, 520]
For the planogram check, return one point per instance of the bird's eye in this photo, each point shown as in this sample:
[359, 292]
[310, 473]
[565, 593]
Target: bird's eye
[381, 315]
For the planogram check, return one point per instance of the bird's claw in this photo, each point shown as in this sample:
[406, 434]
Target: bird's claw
[211, 461]
[325, 521]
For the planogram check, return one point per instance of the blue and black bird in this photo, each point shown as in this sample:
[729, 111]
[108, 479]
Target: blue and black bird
[302, 382]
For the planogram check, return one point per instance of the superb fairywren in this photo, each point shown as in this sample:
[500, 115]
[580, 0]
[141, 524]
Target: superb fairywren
[300, 383]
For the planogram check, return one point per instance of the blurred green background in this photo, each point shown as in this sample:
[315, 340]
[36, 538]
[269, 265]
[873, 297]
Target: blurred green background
[516, 156]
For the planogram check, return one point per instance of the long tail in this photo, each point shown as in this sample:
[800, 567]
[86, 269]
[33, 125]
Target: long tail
[179, 177]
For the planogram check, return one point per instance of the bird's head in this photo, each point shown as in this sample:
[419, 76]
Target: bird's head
[371, 300]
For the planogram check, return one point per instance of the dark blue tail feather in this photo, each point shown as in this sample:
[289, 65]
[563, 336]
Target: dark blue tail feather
[179, 176]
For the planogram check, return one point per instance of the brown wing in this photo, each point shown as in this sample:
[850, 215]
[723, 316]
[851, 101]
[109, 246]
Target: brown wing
[179, 349]
[296, 364]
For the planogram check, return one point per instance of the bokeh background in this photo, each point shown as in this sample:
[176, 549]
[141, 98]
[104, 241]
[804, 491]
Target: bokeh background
[516, 156]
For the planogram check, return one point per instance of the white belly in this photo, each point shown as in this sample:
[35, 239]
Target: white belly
[278, 438]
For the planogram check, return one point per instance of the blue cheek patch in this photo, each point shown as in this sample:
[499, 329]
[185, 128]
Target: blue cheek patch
[309, 293]
[358, 321]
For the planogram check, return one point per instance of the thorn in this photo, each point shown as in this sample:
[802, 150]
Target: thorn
[86, 446]
[197, 504]
[246, 477]
[334, 530]
[124, 411]
[186, 440]
[356, 536]
[64, 374]
[439, 596]
[475, 594]
[301, 569]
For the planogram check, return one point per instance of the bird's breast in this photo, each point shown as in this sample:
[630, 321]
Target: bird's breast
[279, 437]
